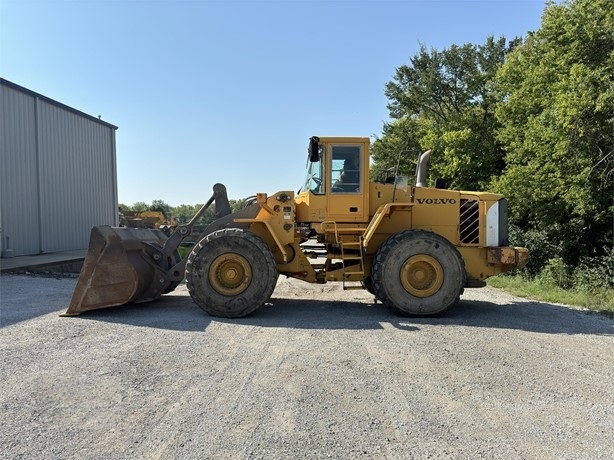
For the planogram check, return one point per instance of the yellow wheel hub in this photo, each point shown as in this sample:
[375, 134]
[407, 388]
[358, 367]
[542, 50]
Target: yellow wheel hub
[422, 275]
[230, 274]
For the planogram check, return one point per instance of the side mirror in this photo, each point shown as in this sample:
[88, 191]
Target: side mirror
[314, 149]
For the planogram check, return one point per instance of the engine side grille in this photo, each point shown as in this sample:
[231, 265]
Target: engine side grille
[469, 222]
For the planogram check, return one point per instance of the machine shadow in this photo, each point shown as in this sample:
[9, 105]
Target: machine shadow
[179, 312]
[527, 316]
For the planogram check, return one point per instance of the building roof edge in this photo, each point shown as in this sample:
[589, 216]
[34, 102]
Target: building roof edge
[54, 102]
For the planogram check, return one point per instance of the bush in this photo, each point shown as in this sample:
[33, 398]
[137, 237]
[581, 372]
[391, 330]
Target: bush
[556, 273]
[595, 273]
[541, 250]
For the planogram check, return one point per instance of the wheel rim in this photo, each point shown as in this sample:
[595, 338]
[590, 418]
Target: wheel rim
[230, 274]
[422, 275]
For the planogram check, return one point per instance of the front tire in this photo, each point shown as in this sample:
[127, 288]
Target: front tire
[418, 273]
[230, 273]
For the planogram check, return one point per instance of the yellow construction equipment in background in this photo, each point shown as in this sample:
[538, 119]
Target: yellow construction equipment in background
[147, 219]
[414, 247]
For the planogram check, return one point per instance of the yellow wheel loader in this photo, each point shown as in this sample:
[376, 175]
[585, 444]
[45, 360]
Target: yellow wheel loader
[414, 247]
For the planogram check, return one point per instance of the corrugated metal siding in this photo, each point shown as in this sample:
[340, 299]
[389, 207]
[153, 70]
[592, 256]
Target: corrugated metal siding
[18, 170]
[60, 167]
[76, 191]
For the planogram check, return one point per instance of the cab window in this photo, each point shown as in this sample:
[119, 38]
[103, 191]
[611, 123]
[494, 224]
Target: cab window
[346, 168]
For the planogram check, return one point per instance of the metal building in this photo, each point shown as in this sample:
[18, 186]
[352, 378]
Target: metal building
[58, 175]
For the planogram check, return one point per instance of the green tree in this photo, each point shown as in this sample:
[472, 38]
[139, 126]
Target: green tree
[184, 212]
[557, 124]
[161, 206]
[397, 149]
[442, 100]
[138, 206]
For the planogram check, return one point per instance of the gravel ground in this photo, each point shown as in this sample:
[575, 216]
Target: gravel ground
[316, 373]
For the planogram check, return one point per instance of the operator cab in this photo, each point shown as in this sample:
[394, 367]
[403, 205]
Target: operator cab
[337, 180]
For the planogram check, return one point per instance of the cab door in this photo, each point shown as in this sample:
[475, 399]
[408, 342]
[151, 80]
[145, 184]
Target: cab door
[347, 181]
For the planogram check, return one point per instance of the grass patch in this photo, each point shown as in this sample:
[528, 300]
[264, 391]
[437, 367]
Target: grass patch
[184, 250]
[601, 300]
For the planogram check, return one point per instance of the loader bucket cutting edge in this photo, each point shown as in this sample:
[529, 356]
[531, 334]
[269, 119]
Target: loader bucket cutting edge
[117, 270]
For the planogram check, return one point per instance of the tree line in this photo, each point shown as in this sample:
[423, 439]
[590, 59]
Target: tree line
[531, 118]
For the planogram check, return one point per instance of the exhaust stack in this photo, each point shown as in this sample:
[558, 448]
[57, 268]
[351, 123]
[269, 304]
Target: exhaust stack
[421, 169]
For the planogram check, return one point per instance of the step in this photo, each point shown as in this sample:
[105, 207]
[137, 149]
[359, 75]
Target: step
[352, 288]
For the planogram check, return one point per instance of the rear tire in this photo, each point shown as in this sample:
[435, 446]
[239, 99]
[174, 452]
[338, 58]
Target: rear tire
[230, 273]
[418, 273]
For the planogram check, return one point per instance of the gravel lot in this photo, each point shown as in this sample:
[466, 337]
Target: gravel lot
[317, 373]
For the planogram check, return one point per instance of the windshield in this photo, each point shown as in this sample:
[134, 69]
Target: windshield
[315, 176]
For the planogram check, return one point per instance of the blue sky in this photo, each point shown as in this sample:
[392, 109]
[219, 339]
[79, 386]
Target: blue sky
[230, 91]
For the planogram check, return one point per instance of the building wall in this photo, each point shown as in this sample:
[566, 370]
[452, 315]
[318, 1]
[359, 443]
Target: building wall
[57, 173]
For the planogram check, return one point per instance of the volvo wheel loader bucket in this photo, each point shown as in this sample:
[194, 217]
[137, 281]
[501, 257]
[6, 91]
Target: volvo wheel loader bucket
[126, 264]
[121, 266]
